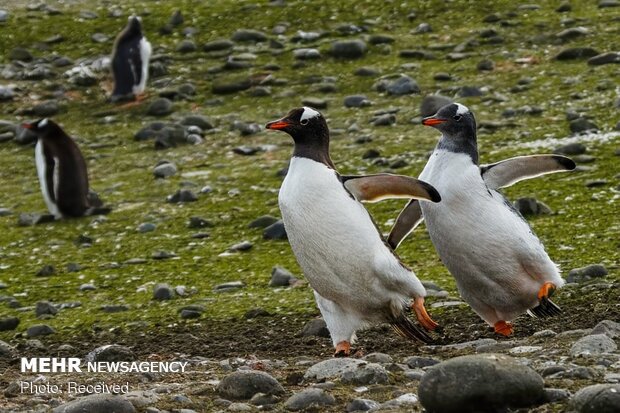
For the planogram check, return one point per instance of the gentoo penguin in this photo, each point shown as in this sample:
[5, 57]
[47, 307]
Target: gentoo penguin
[357, 279]
[62, 172]
[130, 62]
[500, 266]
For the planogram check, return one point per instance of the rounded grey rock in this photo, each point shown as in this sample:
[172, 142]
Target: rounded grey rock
[163, 291]
[608, 327]
[97, 403]
[361, 405]
[593, 344]
[308, 398]
[8, 323]
[243, 35]
[281, 277]
[160, 107]
[586, 273]
[110, 352]
[348, 49]
[165, 170]
[467, 383]
[371, 373]
[599, 398]
[39, 330]
[332, 368]
[275, 231]
[45, 307]
[243, 384]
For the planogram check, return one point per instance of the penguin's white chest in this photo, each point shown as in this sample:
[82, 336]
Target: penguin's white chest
[331, 234]
[49, 194]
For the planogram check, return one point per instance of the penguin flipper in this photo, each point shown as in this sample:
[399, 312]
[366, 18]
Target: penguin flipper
[373, 188]
[409, 218]
[510, 171]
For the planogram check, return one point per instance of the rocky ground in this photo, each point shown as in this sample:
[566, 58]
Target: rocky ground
[193, 264]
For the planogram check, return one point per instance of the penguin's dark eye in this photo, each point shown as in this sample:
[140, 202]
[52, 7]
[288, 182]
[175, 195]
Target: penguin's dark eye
[457, 117]
[304, 121]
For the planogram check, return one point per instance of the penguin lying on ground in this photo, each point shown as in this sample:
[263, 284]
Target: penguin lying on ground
[62, 173]
[130, 62]
[500, 266]
[357, 279]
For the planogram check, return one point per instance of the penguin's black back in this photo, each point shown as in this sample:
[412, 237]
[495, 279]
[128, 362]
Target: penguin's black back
[126, 60]
[71, 195]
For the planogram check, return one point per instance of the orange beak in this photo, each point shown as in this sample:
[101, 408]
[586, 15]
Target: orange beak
[432, 121]
[278, 124]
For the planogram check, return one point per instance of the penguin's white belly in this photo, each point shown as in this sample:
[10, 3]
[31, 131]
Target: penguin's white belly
[41, 172]
[491, 251]
[335, 241]
[145, 56]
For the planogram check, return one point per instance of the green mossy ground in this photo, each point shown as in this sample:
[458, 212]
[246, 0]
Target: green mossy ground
[583, 230]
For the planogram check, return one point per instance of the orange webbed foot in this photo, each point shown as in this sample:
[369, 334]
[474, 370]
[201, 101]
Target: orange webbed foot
[503, 328]
[420, 311]
[546, 291]
[343, 349]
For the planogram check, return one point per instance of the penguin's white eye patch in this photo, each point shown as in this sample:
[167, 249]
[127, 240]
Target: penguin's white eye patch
[43, 123]
[304, 121]
[308, 114]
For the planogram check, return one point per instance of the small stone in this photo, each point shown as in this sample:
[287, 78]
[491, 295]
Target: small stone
[4, 16]
[608, 3]
[181, 196]
[356, 101]
[218, 45]
[367, 71]
[465, 383]
[306, 54]
[229, 286]
[88, 287]
[97, 403]
[39, 330]
[8, 323]
[114, 308]
[361, 405]
[165, 169]
[7, 351]
[281, 277]
[242, 246]
[378, 358]
[244, 384]
[146, 227]
[371, 373]
[316, 327]
[46, 109]
[608, 327]
[21, 54]
[556, 395]
[163, 291]
[371, 154]
[315, 103]
[45, 307]
[197, 120]
[604, 59]
[593, 345]
[275, 231]
[570, 149]
[348, 49]
[176, 19]
[582, 125]
[110, 353]
[255, 313]
[244, 35]
[587, 273]
[386, 119]
[263, 221]
[574, 53]
[416, 362]
[531, 206]
[403, 85]
[198, 222]
[596, 183]
[160, 107]
[485, 65]
[46, 271]
[423, 28]
[309, 398]
[332, 368]
[598, 398]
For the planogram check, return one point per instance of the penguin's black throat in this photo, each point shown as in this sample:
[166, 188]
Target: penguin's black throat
[309, 130]
[458, 128]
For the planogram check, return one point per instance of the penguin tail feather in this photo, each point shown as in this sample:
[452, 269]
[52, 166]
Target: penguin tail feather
[546, 308]
[405, 327]
[98, 211]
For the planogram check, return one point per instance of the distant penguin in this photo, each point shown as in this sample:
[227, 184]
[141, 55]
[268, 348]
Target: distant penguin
[356, 277]
[130, 62]
[62, 172]
[501, 268]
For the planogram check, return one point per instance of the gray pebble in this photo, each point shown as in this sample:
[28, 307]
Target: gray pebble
[163, 291]
[593, 344]
[165, 169]
[599, 398]
[146, 227]
[39, 330]
[316, 327]
[587, 273]
[110, 352]
[97, 403]
[315, 398]
[244, 384]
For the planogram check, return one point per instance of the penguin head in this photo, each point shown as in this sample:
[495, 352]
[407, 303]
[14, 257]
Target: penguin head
[454, 121]
[44, 128]
[305, 125]
[134, 25]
